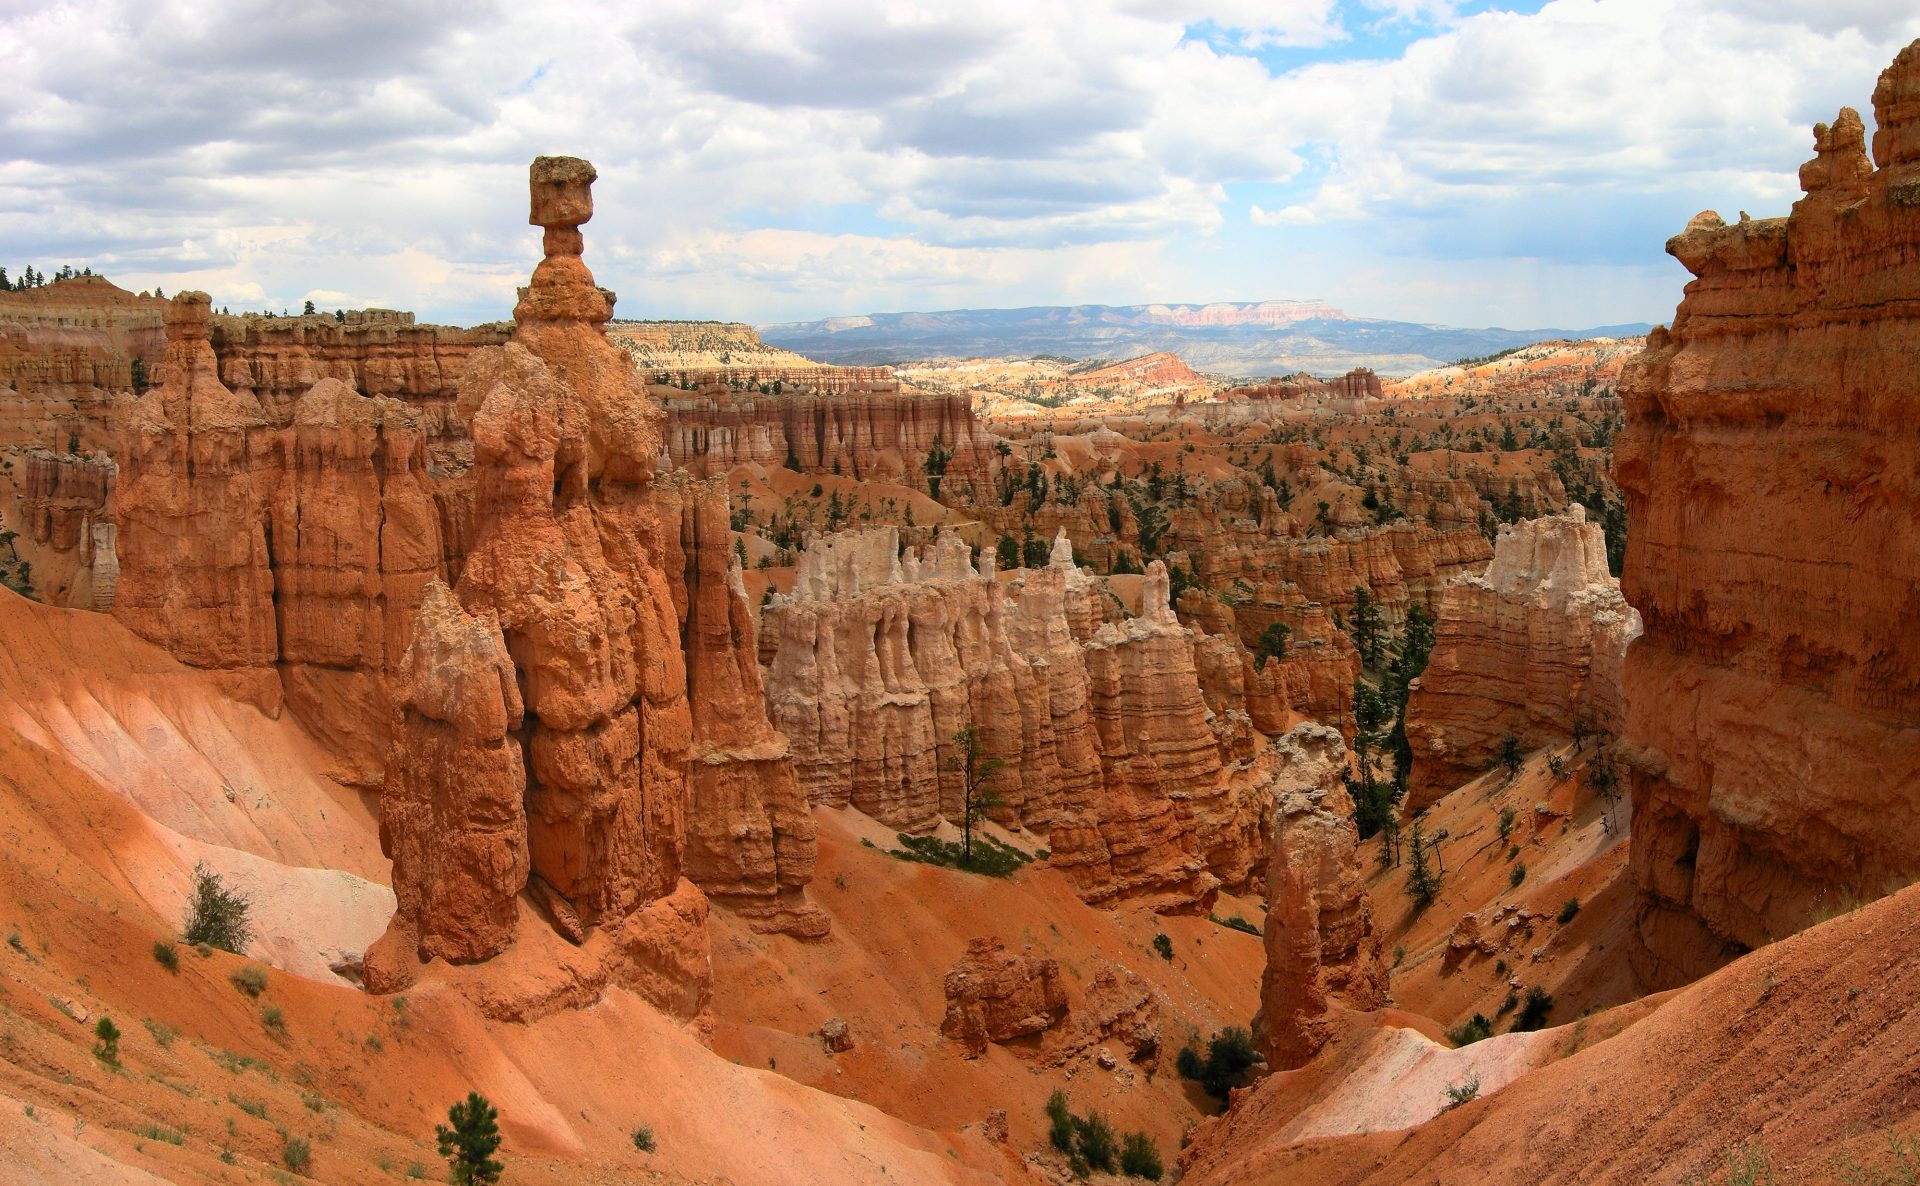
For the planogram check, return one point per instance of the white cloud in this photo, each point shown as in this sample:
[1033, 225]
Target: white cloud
[778, 158]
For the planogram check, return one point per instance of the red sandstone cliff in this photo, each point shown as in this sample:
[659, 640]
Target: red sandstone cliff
[1144, 787]
[195, 571]
[871, 430]
[377, 352]
[1160, 369]
[1527, 650]
[1772, 703]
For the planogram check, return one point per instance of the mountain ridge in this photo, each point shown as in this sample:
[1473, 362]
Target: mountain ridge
[1237, 338]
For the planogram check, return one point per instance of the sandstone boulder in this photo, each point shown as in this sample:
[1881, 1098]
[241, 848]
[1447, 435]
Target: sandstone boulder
[996, 995]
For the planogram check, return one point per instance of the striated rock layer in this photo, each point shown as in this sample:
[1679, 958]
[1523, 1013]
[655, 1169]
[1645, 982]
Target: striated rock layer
[1111, 747]
[290, 557]
[1529, 650]
[750, 837]
[856, 424]
[197, 468]
[1773, 705]
[377, 352]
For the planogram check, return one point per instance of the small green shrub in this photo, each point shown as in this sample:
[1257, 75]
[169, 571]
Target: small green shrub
[107, 1049]
[1506, 822]
[1474, 1029]
[1236, 923]
[295, 1153]
[1163, 946]
[161, 1033]
[1518, 875]
[160, 1132]
[643, 1139]
[1096, 1141]
[251, 980]
[274, 1019]
[1749, 1167]
[1140, 1157]
[1569, 910]
[991, 857]
[165, 955]
[469, 1139]
[1512, 757]
[1461, 1093]
[1228, 1062]
[1060, 1121]
[216, 915]
[254, 1108]
[416, 1170]
[1533, 1014]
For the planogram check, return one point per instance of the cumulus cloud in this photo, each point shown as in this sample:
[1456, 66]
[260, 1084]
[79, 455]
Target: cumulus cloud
[790, 158]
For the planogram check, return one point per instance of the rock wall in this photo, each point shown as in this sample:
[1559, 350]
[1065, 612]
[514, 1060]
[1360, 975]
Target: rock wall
[1528, 649]
[1322, 950]
[630, 745]
[872, 430]
[62, 509]
[355, 537]
[292, 557]
[1111, 748]
[375, 352]
[1773, 704]
[750, 835]
[197, 466]
[68, 350]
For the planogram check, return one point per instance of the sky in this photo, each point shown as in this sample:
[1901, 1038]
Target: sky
[1464, 162]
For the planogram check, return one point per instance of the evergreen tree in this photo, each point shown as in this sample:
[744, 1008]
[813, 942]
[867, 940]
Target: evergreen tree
[307, 309]
[1272, 644]
[976, 770]
[216, 915]
[1422, 883]
[469, 1143]
[1369, 630]
[1511, 755]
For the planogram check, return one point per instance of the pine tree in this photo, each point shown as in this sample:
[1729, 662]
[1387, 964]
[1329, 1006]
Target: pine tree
[1422, 883]
[469, 1143]
[976, 770]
